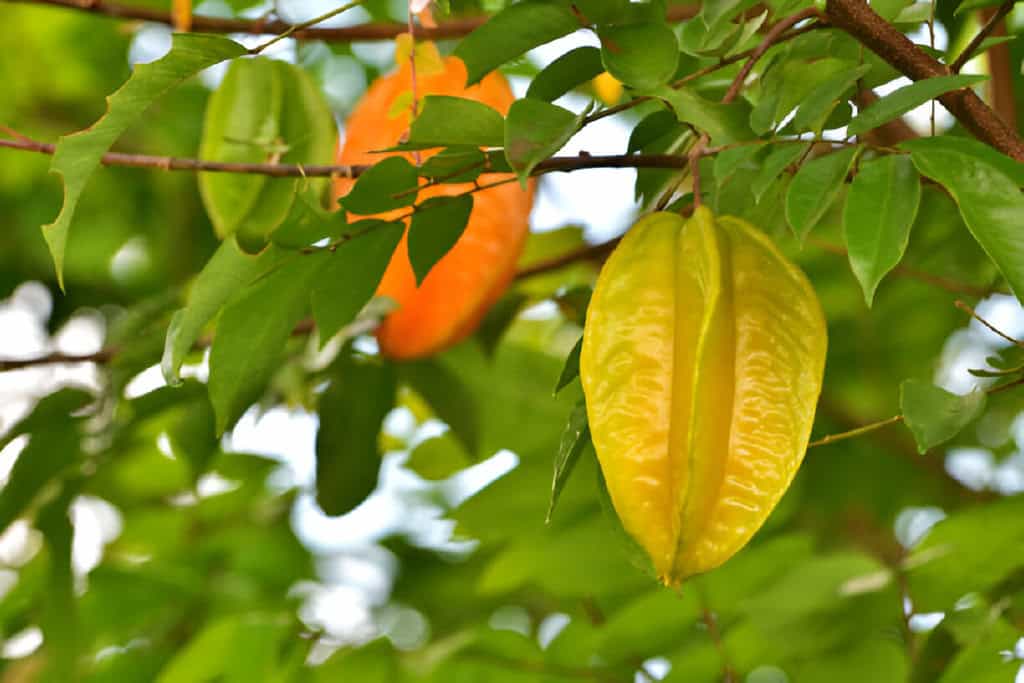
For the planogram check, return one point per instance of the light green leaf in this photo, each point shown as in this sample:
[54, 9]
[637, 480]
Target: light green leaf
[724, 123]
[391, 183]
[79, 154]
[435, 228]
[446, 120]
[572, 69]
[970, 147]
[438, 458]
[534, 130]
[880, 210]
[351, 410]
[819, 103]
[352, 273]
[991, 205]
[455, 165]
[906, 98]
[643, 55]
[228, 270]
[934, 415]
[252, 332]
[574, 439]
[814, 187]
[512, 32]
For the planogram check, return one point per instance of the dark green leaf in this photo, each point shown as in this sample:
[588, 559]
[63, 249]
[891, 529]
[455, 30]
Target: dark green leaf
[724, 123]
[774, 165]
[880, 210]
[534, 130]
[446, 120]
[934, 415]
[361, 394]
[79, 154]
[643, 56]
[569, 71]
[307, 222]
[571, 369]
[228, 270]
[448, 396]
[820, 102]
[389, 184]
[575, 437]
[906, 98]
[59, 619]
[497, 320]
[252, 332]
[991, 205]
[512, 32]
[814, 187]
[454, 165]
[435, 228]
[352, 273]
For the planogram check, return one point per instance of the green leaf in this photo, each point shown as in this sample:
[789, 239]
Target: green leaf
[643, 55]
[814, 187]
[51, 450]
[967, 552]
[970, 147]
[252, 332]
[351, 410]
[819, 103]
[575, 437]
[448, 397]
[724, 123]
[774, 165]
[569, 71]
[906, 98]
[203, 659]
[991, 205]
[436, 226]
[307, 222]
[534, 130]
[446, 120]
[934, 415]
[352, 273]
[967, 5]
[498, 319]
[512, 32]
[228, 270]
[571, 369]
[438, 458]
[389, 184]
[243, 120]
[729, 160]
[61, 626]
[454, 165]
[79, 154]
[880, 210]
[985, 45]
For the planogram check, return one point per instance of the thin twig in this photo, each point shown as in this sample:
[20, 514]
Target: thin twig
[293, 29]
[971, 312]
[858, 431]
[773, 36]
[977, 40]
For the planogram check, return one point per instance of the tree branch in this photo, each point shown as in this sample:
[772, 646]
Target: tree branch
[868, 28]
[453, 28]
[565, 163]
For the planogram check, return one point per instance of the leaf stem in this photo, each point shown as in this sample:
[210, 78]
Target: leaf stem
[858, 431]
[304, 25]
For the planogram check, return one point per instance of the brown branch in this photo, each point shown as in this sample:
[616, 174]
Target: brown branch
[989, 28]
[454, 28]
[566, 164]
[591, 252]
[868, 28]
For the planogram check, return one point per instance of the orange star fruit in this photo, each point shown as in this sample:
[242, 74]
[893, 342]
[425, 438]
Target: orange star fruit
[452, 300]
